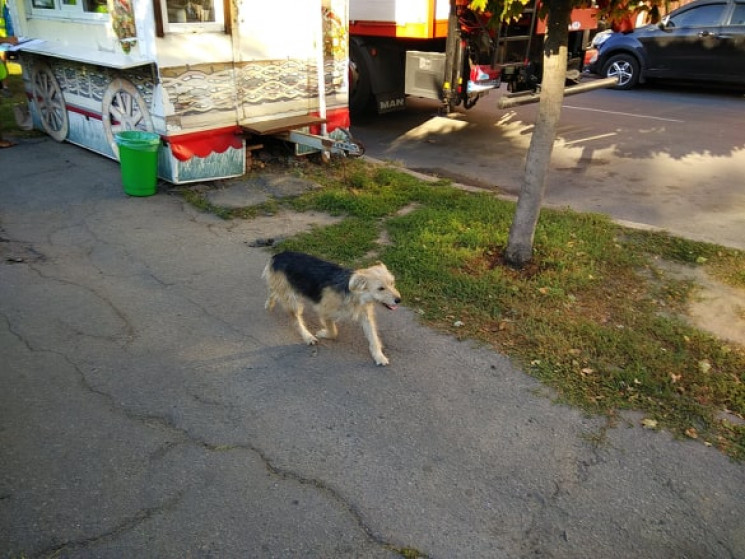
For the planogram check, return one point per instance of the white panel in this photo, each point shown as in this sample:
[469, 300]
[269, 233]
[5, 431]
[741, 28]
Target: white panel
[267, 33]
[411, 11]
[400, 11]
[372, 10]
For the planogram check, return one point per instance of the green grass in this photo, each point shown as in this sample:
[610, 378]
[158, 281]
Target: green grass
[591, 316]
[8, 127]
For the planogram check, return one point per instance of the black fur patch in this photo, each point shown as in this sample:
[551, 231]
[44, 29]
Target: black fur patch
[309, 275]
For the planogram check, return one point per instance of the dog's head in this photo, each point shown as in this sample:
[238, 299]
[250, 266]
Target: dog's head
[375, 284]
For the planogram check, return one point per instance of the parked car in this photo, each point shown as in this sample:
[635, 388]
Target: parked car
[701, 41]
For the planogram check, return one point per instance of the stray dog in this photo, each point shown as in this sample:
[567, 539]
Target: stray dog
[336, 293]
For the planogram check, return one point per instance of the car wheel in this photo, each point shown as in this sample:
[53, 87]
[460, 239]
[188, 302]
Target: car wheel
[624, 67]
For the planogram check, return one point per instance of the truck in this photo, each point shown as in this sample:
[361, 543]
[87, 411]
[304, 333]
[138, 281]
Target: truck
[444, 50]
[210, 77]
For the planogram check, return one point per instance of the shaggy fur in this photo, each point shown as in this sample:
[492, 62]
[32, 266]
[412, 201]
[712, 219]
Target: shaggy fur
[296, 279]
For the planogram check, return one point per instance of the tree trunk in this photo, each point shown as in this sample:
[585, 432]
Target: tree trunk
[522, 232]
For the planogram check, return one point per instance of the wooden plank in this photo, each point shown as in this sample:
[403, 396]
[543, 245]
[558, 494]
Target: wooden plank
[268, 127]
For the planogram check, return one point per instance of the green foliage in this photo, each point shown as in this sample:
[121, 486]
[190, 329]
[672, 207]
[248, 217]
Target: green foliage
[610, 10]
[8, 124]
[502, 10]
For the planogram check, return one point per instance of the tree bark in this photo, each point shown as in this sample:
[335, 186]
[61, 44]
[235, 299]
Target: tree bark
[522, 232]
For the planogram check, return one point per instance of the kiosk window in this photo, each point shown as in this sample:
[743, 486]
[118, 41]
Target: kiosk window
[85, 9]
[192, 15]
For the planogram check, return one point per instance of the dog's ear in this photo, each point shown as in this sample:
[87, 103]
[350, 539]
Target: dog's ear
[357, 282]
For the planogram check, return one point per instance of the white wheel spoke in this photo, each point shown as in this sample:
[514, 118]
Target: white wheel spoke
[50, 103]
[124, 109]
[116, 114]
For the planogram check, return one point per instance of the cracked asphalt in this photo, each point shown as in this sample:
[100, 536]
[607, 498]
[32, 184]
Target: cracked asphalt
[150, 407]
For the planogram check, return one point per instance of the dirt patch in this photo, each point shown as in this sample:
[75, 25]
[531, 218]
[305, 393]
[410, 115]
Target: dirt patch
[716, 308]
[258, 188]
[268, 230]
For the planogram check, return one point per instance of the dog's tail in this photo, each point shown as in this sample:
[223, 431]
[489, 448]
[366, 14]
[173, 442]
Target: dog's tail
[266, 275]
[267, 269]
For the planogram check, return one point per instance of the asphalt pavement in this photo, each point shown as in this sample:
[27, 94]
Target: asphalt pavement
[151, 407]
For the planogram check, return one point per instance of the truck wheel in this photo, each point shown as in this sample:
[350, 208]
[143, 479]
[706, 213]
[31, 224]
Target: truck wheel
[624, 67]
[360, 90]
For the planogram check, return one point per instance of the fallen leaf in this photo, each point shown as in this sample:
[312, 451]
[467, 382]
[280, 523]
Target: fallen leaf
[692, 433]
[649, 423]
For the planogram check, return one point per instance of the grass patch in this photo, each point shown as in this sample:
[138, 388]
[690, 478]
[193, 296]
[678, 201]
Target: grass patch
[8, 126]
[591, 315]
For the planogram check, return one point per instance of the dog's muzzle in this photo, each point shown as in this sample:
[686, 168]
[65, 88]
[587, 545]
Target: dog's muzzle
[392, 307]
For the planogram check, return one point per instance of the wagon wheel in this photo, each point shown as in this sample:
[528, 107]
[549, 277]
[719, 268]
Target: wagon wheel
[123, 108]
[50, 104]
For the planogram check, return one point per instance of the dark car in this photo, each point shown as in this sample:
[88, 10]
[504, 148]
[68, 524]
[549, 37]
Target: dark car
[702, 41]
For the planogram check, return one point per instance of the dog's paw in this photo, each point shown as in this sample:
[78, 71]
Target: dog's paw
[325, 334]
[310, 340]
[381, 360]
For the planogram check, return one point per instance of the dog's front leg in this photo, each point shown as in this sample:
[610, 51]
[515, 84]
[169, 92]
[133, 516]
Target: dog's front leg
[371, 333]
[328, 329]
[308, 338]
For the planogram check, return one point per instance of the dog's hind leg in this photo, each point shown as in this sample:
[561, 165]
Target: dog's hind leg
[297, 313]
[271, 300]
[370, 329]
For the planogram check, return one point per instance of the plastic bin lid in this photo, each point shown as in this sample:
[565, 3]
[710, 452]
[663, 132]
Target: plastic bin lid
[136, 137]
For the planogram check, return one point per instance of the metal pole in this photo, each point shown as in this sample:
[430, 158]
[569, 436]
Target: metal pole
[321, 75]
[525, 98]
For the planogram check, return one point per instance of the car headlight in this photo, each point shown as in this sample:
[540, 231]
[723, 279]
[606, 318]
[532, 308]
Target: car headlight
[600, 38]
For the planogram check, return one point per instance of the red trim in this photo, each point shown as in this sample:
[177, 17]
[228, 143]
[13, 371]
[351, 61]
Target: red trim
[85, 112]
[202, 144]
[199, 144]
[335, 118]
[373, 28]
[74, 109]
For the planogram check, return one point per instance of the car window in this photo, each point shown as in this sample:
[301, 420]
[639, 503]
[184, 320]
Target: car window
[738, 16]
[711, 14]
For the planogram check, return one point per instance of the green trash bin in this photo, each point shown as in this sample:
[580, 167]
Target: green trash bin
[138, 155]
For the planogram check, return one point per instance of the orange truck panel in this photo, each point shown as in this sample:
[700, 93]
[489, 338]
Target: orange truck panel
[581, 19]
